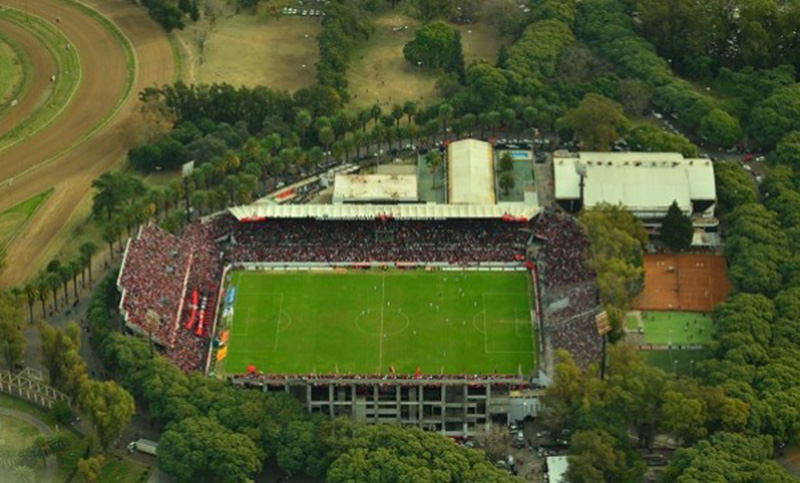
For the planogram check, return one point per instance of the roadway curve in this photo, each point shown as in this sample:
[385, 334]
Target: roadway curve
[41, 62]
[71, 172]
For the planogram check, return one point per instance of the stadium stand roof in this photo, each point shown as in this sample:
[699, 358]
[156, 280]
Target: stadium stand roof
[362, 188]
[470, 173]
[518, 211]
[644, 182]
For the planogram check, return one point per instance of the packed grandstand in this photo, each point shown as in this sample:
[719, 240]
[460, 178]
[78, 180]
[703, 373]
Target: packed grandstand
[171, 285]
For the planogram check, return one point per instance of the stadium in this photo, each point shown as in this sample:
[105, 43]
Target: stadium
[442, 316]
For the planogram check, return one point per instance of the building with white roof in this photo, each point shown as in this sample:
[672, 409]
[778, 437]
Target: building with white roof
[557, 469]
[375, 188]
[645, 183]
[470, 173]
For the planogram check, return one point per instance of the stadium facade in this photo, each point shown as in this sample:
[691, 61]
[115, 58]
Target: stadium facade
[173, 288]
[644, 183]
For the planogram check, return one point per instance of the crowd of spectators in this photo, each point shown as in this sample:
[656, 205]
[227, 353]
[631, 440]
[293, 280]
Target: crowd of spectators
[433, 378]
[309, 240]
[161, 272]
[564, 249]
[153, 279]
[568, 294]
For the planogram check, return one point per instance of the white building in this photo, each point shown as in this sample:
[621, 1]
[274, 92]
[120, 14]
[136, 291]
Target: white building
[375, 188]
[470, 173]
[645, 183]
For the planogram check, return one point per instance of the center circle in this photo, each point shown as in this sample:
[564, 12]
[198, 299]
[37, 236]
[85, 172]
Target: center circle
[394, 321]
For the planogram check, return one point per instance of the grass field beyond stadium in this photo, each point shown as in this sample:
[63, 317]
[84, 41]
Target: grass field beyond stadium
[663, 328]
[365, 323]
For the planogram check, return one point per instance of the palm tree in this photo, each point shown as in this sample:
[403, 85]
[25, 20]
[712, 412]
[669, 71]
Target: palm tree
[409, 109]
[507, 182]
[65, 274]
[24, 474]
[326, 137]
[303, 121]
[75, 267]
[199, 201]
[109, 235]
[88, 249]
[376, 112]
[434, 161]
[31, 292]
[445, 115]
[231, 184]
[53, 281]
[397, 114]
[42, 287]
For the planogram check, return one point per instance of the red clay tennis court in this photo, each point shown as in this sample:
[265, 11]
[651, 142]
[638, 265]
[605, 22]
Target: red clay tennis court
[689, 282]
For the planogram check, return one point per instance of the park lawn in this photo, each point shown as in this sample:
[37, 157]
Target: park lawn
[379, 72]
[77, 444]
[368, 322]
[13, 220]
[677, 328]
[676, 361]
[16, 436]
[254, 49]
[11, 72]
[123, 470]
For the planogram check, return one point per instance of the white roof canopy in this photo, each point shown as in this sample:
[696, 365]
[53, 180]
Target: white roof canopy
[368, 187]
[369, 212]
[638, 181]
[470, 173]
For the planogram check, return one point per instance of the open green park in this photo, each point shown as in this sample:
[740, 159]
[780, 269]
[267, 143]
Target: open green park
[17, 436]
[368, 323]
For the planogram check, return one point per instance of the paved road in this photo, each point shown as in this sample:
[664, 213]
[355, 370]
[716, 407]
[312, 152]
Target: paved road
[50, 462]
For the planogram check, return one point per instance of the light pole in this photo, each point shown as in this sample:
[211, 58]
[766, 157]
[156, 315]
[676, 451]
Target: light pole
[676, 367]
[691, 368]
[419, 68]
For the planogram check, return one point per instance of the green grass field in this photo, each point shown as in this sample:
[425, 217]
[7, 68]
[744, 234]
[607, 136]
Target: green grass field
[11, 73]
[13, 220]
[677, 328]
[328, 322]
[674, 361]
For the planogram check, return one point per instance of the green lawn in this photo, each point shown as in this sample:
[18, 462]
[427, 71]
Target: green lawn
[11, 73]
[15, 436]
[677, 328]
[674, 360]
[324, 322]
[77, 445]
[122, 470]
[13, 219]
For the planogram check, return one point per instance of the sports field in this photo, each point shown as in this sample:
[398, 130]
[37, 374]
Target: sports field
[677, 328]
[369, 322]
[674, 361]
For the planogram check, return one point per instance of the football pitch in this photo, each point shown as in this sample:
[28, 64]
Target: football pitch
[330, 322]
[677, 328]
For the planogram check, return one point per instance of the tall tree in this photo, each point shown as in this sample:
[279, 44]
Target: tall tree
[12, 340]
[109, 408]
[597, 121]
[200, 449]
[676, 229]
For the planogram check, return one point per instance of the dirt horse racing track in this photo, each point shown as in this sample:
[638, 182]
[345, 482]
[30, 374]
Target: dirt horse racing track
[74, 149]
[687, 282]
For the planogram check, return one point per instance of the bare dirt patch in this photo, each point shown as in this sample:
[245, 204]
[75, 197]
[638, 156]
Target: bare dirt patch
[254, 49]
[379, 73]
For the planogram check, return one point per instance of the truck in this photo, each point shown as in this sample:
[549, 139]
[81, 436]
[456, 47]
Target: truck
[144, 445]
